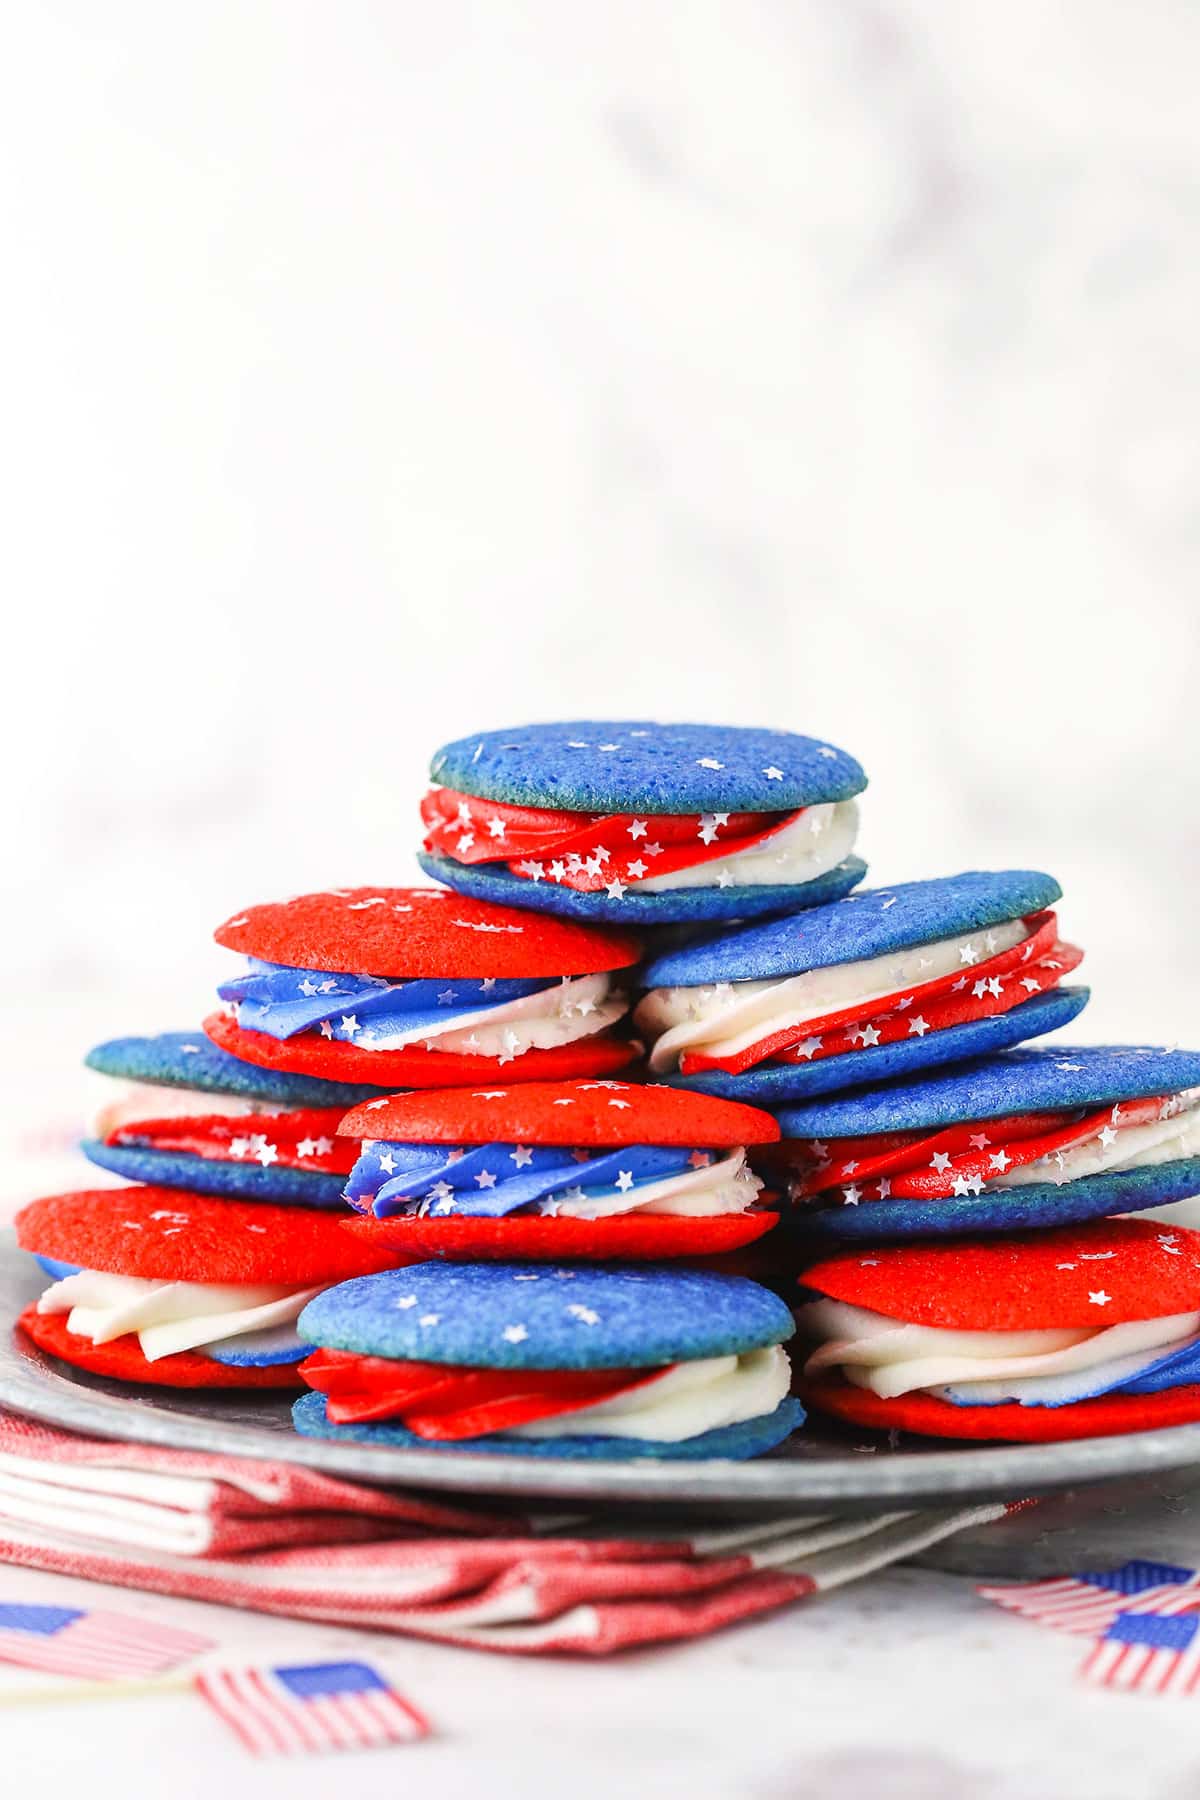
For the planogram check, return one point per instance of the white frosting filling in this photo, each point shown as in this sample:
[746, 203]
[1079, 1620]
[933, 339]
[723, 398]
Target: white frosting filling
[168, 1316]
[135, 1101]
[812, 845]
[685, 1400]
[1171, 1139]
[730, 1016]
[726, 1185]
[575, 1008]
[1176, 1212]
[980, 1367]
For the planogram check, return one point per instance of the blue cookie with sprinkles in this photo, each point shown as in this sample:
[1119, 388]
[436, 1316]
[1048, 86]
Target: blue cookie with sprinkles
[419, 987]
[569, 1170]
[184, 1114]
[883, 983]
[1029, 1138]
[537, 1360]
[643, 823]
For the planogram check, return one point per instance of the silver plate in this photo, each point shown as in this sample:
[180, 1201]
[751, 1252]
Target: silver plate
[819, 1469]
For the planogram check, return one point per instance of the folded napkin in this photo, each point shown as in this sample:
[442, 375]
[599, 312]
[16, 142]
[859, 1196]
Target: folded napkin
[284, 1540]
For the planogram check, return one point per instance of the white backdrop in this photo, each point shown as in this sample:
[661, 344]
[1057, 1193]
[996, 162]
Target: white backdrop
[380, 371]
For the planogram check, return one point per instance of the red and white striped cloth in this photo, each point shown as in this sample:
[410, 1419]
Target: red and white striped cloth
[457, 1576]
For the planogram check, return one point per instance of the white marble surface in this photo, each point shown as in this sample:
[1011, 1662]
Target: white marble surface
[379, 371]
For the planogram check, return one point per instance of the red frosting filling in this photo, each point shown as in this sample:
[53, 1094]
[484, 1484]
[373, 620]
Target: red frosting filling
[990, 987]
[291, 1140]
[443, 1403]
[920, 1165]
[584, 851]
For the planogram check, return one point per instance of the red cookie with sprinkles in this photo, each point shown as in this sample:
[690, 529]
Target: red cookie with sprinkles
[156, 1285]
[417, 987]
[1086, 1331]
[585, 1170]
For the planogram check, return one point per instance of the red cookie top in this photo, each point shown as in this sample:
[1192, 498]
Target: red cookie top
[1080, 1277]
[561, 1112]
[408, 932]
[168, 1234]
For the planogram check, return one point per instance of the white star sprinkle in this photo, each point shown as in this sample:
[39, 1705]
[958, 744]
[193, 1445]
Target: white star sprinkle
[773, 774]
[708, 762]
[1099, 1298]
[485, 1179]
[522, 1156]
[624, 1180]
[917, 1026]
[514, 1334]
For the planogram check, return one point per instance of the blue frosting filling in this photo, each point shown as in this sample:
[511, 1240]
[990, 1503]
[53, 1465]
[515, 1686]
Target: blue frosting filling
[58, 1271]
[489, 1181]
[265, 1349]
[283, 1001]
[1179, 1368]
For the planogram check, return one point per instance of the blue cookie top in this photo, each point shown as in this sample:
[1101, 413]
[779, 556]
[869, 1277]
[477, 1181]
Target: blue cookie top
[606, 766]
[188, 1059]
[872, 922]
[535, 1316]
[678, 906]
[774, 1084]
[1051, 1078]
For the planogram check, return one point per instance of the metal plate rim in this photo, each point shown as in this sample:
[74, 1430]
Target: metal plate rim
[864, 1477]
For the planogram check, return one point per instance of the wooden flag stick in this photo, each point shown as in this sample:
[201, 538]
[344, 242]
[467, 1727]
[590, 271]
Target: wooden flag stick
[97, 1690]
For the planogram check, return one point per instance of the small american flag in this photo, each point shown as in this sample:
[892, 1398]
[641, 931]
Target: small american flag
[310, 1706]
[1090, 1603]
[97, 1646]
[1146, 1653]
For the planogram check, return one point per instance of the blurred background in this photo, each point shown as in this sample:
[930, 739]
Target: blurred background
[381, 371]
